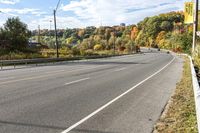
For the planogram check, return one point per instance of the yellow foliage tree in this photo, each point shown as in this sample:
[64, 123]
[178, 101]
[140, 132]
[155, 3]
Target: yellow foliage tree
[134, 33]
[81, 32]
[160, 37]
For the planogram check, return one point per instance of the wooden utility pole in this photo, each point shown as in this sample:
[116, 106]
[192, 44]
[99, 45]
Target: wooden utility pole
[38, 33]
[56, 34]
[55, 25]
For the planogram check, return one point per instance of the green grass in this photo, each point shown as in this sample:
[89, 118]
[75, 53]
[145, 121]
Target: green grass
[180, 115]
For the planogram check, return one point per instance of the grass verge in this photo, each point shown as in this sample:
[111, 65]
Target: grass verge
[179, 115]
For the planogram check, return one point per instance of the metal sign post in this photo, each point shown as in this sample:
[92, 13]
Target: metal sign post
[195, 25]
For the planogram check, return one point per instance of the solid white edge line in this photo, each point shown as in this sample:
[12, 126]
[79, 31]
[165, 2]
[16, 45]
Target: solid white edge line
[76, 81]
[115, 99]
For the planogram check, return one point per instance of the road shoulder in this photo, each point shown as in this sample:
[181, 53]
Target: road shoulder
[179, 114]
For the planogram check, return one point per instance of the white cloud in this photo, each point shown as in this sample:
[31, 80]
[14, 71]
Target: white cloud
[23, 11]
[93, 12]
[113, 12]
[10, 2]
[62, 23]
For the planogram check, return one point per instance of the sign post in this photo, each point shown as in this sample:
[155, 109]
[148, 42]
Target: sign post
[195, 25]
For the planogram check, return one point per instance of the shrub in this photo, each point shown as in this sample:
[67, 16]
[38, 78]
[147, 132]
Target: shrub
[98, 47]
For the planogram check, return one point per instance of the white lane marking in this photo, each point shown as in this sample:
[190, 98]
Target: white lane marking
[115, 99]
[47, 75]
[6, 78]
[121, 69]
[55, 71]
[76, 81]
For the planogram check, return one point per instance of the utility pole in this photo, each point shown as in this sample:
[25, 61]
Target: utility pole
[114, 41]
[50, 27]
[38, 33]
[56, 34]
[195, 25]
[50, 33]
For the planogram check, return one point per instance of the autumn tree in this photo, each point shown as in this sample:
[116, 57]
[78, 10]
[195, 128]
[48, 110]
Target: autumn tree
[160, 37]
[134, 33]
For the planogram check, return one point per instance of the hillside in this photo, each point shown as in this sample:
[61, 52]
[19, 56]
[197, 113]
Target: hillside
[164, 31]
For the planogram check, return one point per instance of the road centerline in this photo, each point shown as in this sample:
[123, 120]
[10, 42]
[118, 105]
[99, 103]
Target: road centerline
[55, 71]
[76, 81]
[47, 75]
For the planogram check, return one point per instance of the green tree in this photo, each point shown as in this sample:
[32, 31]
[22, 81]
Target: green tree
[129, 46]
[16, 34]
[111, 43]
[118, 42]
[166, 26]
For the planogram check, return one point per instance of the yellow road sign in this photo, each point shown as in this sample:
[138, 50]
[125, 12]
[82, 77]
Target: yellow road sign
[189, 12]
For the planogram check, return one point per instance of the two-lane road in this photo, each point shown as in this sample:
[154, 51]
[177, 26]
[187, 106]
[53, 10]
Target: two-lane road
[116, 95]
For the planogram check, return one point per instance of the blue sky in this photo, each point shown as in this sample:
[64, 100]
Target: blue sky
[82, 13]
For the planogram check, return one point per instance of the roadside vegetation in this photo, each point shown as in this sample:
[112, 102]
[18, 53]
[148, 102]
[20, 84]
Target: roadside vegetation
[180, 116]
[164, 31]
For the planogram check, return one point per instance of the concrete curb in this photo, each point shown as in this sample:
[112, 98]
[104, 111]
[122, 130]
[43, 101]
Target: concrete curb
[196, 90]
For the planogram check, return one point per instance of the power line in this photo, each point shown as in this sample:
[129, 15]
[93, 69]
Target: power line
[58, 5]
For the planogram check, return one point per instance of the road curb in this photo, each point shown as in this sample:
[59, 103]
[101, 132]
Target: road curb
[196, 90]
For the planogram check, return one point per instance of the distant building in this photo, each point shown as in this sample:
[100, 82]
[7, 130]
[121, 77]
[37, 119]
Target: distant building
[122, 24]
[33, 43]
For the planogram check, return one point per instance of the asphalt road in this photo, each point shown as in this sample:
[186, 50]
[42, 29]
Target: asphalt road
[115, 95]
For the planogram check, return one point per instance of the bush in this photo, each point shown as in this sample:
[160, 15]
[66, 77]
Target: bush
[20, 55]
[89, 52]
[75, 50]
[98, 47]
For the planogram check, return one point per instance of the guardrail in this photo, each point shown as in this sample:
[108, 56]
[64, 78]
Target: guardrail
[14, 63]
